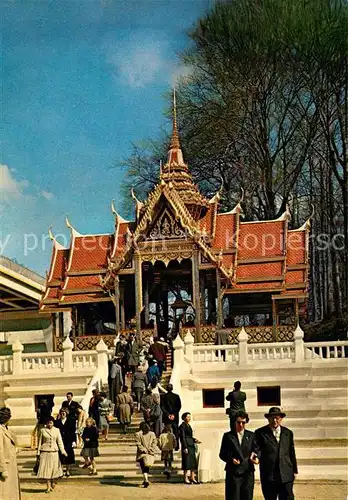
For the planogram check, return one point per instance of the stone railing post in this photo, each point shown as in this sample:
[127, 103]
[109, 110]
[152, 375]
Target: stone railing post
[299, 345]
[243, 347]
[189, 341]
[178, 367]
[102, 360]
[67, 347]
[17, 349]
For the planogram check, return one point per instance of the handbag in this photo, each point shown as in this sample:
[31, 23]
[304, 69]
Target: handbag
[36, 466]
[110, 418]
[148, 460]
[228, 411]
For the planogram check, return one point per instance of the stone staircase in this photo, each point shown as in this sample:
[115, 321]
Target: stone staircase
[116, 464]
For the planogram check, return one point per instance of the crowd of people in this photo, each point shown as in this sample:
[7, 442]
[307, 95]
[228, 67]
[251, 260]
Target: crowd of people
[271, 446]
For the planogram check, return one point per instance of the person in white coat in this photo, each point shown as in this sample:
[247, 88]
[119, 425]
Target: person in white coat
[50, 443]
[9, 481]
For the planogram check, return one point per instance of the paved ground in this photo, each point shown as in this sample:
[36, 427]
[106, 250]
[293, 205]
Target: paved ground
[303, 491]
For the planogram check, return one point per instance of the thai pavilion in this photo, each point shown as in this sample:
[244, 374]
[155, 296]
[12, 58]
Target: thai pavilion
[180, 264]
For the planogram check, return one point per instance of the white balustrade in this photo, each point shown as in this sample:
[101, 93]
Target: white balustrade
[42, 361]
[215, 354]
[271, 351]
[84, 359]
[326, 350]
[5, 365]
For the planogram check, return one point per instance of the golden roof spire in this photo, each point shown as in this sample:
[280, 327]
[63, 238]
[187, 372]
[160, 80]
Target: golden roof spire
[174, 143]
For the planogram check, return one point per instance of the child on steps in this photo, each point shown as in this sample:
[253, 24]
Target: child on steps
[90, 450]
[167, 444]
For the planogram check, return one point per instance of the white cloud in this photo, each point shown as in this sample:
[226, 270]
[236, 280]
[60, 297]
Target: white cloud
[137, 63]
[47, 195]
[10, 188]
[180, 73]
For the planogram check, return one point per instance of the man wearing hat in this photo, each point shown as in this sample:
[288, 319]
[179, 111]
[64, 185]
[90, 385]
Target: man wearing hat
[278, 465]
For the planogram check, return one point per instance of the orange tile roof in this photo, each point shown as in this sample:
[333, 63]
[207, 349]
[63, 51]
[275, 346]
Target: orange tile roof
[225, 232]
[264, 269]
[89, 252]
[79, 282]
[295, 276]
[83, 297]
[258, 286]
[296, 247]
[261, 239]
[58, 263]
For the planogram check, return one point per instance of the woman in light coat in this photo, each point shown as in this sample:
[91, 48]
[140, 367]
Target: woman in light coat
[124, 408]
[9, 481]
[146, 448]
[50, 442]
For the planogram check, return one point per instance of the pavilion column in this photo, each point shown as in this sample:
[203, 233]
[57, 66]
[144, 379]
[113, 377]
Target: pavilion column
[74, 322]
[297, 312]
[219, 319]
[60, 324]
[117, 303]
[196, 294]
[274, 320]
[54, 330]
[211, 297]
[202, 297]
[122, 311]
[138, 292]
[146, 302]
[165, 306]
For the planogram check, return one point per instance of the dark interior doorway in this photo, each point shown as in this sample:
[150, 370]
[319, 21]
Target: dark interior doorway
[268, 396]
[213, 398]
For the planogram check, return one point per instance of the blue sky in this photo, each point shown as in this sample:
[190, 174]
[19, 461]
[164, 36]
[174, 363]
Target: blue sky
[82, 80]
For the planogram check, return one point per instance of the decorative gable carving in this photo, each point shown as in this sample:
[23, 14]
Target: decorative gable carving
[166, 227]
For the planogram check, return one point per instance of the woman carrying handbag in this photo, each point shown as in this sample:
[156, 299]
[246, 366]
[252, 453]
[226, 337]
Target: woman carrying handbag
[146, 448]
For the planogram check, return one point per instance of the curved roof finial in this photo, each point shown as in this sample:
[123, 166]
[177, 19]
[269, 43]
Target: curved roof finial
[174, 143]
[113, 209]
[133, 195]
[242, 197]
[312, 213]
[67, 222]
[72, 229]
[50, 234]
[307, 223]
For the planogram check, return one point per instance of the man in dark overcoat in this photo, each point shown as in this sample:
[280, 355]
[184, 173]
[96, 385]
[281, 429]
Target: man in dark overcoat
[171, 406]
[278, 465]
[133, 352]
[237, 400]
[239, 452]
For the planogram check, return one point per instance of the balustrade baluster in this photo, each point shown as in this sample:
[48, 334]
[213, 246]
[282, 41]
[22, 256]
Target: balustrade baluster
[83, 361]
[335, 352]
[320, 352]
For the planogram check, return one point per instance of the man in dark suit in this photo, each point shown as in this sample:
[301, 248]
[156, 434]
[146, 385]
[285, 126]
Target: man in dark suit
[133, 352]
[239, 451]
[71, 405]
[237, 399]
[278, 465]
[171, 406]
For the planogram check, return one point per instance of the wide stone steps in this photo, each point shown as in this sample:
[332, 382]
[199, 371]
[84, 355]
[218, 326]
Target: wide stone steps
[116, 462]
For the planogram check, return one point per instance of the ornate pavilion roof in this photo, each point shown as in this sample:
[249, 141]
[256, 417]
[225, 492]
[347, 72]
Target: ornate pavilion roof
[255, 256]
